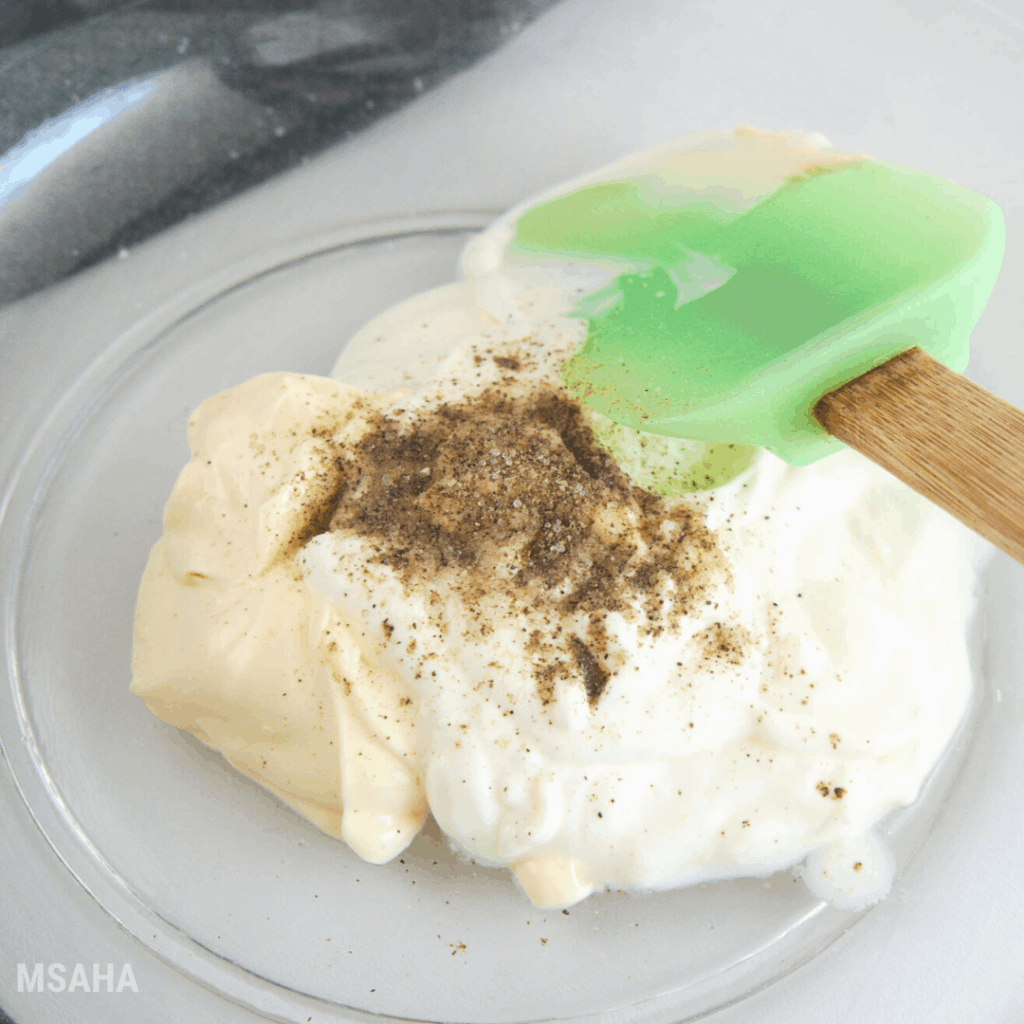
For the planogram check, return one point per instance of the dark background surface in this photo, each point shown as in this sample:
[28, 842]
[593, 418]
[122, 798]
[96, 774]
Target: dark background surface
[267, 83]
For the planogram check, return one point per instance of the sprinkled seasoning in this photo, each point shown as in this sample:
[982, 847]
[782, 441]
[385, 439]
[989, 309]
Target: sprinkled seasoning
[511, 478]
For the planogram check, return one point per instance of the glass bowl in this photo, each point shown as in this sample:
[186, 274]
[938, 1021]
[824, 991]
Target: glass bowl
[205, 868]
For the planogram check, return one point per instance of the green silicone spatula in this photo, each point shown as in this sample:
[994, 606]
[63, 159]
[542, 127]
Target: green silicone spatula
[783, 295]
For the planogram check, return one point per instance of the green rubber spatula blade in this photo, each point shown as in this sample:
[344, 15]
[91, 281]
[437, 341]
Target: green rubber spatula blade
[762, 276]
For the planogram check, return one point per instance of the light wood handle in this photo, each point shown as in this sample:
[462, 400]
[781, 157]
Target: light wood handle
[944, 436]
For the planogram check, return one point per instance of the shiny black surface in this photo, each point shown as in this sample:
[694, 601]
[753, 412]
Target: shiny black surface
[207, 98]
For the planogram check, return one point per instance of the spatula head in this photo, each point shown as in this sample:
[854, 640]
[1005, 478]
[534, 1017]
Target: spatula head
[757, 274]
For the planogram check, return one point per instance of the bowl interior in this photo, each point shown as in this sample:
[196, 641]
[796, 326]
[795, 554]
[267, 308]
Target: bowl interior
[212, 871]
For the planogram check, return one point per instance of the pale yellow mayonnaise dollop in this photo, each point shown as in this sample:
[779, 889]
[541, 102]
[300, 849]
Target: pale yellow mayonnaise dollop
[231, 644]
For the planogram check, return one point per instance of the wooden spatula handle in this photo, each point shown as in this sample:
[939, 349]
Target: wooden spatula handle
[944, 436]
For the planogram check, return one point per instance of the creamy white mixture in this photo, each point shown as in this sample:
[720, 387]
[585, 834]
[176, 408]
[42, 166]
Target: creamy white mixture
[813, 682]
